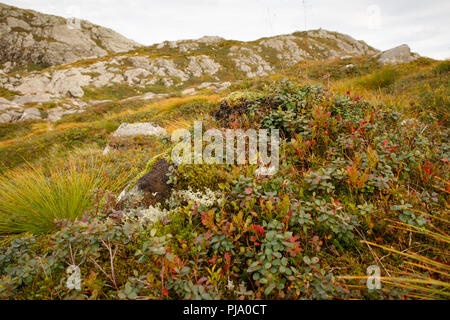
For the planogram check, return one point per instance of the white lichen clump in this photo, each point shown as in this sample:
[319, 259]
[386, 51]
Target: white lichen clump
[146, 216]
[208, 198]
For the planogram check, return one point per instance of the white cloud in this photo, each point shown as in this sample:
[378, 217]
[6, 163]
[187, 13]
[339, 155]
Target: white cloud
[381, 23]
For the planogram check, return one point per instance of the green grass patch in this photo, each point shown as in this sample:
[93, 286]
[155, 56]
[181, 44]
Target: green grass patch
[8, 94]
[379, 80]
[113, 92]
[442, 68]
[36, 147]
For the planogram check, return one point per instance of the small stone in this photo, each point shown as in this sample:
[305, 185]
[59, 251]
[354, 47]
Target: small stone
[107, 150]
[5, 118]
[189, 91]
[76, 92]
[139, 128]
[31, 114]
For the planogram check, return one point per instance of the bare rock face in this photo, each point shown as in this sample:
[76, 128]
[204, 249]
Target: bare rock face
[287, 49]
[249, 62]
[29, 37]
[199, 65]
[31, 114]
[397, 55]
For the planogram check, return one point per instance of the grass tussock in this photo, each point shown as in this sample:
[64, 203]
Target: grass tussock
[442, 68]
[33, 199]
[381, 79]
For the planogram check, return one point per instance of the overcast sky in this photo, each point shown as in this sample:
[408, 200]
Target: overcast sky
[422, 24]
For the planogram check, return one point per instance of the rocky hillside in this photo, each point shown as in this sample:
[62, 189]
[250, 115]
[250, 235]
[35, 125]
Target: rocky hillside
[177, 67]
[31, 38]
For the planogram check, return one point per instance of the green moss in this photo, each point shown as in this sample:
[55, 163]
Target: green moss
[19, 29]
[198, 177]
[149, 166]
[39, 38]
[31, 67]
[155, 159]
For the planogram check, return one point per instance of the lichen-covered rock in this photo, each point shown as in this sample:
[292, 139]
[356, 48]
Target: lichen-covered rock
[60, 82]
[134, 76]
[57, 113]
[5, 118]
[76, 92]
[202, 59]
[187, 46]
[166, 68]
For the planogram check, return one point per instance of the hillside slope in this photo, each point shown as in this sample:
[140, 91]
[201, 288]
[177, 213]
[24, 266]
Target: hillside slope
[29, 38]
[182, 66]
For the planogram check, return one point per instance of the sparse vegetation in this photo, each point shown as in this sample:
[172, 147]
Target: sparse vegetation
[8, 94]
